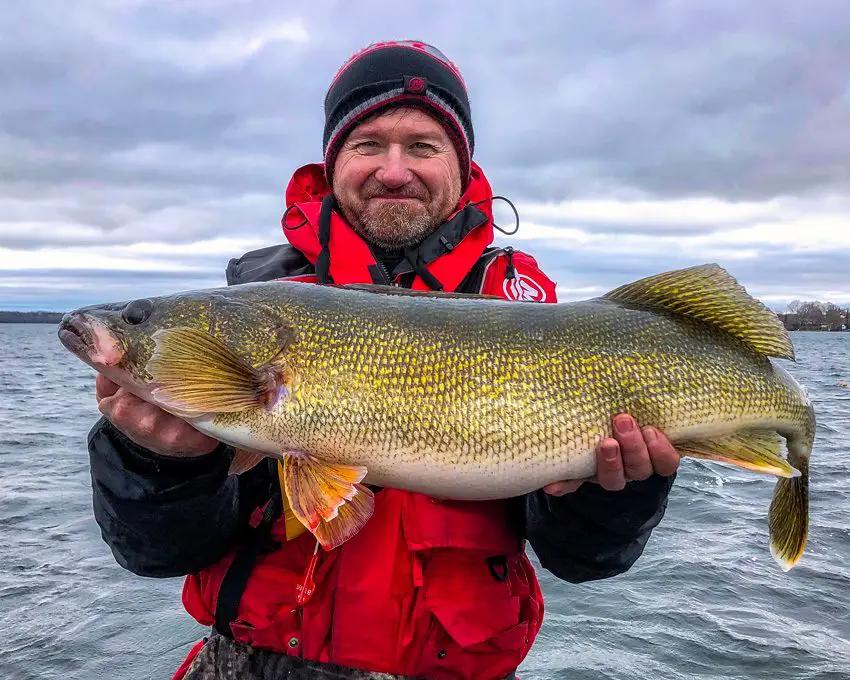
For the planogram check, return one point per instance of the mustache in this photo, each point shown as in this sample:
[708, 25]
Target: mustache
[374, 189]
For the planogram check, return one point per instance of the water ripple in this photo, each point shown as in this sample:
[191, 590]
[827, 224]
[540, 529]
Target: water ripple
[705, 601]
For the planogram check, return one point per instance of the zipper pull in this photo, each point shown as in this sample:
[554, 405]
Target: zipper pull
[510, 272]
[304, 590]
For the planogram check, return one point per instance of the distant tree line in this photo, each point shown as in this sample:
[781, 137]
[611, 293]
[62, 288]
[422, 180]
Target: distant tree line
[815, 316]
[30, 317]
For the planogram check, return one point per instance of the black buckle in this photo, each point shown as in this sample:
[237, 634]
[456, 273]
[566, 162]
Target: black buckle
[498, 566]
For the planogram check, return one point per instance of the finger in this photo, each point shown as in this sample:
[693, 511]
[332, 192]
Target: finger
[124, 408]
[112, 410]
[665, 459]
[104, 387]
[636, 462]
[563, 488]
[106, 405]
[609, 466]
[142, 420]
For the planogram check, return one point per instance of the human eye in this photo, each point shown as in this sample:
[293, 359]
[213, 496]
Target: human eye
[424, 148]
[365, 145]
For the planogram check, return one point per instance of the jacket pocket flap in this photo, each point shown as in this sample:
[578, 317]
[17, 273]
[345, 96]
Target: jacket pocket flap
[471, 623]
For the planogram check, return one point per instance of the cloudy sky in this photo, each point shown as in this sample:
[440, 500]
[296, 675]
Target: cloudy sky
[143, 143]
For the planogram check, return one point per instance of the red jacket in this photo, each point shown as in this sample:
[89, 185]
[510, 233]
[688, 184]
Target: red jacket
[439, 589]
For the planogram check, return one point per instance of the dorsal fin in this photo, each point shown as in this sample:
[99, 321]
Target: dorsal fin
[708, 293]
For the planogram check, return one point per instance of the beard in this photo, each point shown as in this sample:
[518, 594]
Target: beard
[395, 225]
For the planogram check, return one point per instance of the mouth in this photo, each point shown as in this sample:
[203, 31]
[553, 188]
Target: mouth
[90, 340]
[75, 333]
[395, 198]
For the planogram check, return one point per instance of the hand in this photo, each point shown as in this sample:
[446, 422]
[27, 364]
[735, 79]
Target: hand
[631, 455]
[147, 425]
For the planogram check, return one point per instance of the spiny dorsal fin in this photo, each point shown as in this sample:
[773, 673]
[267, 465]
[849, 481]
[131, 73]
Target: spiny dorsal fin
[396, 290]
[708, 293]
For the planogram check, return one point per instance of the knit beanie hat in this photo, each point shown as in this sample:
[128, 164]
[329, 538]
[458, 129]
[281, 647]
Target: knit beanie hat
[403, 73]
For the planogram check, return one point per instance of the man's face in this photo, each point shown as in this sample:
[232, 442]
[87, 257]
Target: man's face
[397, 177]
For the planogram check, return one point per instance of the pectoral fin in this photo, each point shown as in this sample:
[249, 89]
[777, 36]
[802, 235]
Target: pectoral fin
[326, 498]
[197, 373]
[244, 460]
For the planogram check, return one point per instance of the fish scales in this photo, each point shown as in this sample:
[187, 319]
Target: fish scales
[470, 387]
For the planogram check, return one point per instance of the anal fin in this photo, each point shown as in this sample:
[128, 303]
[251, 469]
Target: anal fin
[756, 450]
[326, 498]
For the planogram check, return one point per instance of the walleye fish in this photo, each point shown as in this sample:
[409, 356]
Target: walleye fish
[462, 396]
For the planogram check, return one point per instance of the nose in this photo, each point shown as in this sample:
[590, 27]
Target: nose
[394, 172]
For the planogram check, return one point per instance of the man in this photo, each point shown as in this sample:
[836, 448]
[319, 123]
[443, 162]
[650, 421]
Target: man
[429, 588]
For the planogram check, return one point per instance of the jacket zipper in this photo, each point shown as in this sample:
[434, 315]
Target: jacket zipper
[382, 268]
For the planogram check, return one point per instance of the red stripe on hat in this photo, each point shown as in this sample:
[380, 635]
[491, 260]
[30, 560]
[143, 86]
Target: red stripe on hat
[415, 45]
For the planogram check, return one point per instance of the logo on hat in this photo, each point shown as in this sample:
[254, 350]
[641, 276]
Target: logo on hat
[415, 85]
[523, 289]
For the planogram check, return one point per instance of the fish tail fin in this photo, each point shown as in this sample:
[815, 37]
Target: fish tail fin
[789, 510]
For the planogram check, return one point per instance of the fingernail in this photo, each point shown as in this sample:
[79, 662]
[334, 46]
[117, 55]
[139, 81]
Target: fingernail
[610, 452]
[649, 434]
[624, 425]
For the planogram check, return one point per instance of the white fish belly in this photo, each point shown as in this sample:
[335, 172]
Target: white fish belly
[429, 475]
[240, 436]
[477, 482]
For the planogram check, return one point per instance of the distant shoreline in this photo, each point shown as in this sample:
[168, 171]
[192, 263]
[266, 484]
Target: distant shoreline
[56, 317]
[31, 317]
[817, 330]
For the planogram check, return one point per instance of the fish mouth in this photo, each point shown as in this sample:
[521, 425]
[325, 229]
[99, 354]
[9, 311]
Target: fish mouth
[75, 333]
[91, 340]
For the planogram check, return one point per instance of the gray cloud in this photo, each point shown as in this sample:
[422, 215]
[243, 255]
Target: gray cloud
[124, 121]
[705, 98]
[777, 274]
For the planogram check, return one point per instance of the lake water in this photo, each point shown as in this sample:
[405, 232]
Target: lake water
[705, 601]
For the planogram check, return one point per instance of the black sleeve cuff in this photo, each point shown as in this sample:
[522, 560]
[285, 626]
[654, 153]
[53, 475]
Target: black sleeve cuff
[166, 516]
[593, 533]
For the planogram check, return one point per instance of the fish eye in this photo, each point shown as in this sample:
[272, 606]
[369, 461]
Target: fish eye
[137, 311]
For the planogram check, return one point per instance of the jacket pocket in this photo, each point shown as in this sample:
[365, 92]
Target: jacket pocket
[479, 625]
[467, 644]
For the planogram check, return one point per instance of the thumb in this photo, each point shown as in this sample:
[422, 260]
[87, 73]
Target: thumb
[563, 488]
